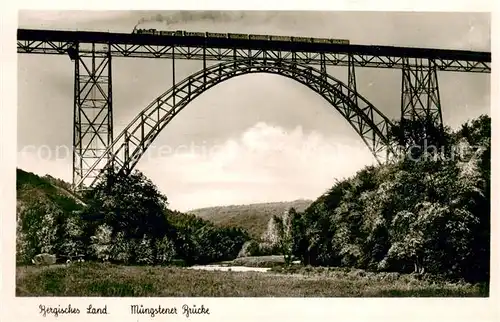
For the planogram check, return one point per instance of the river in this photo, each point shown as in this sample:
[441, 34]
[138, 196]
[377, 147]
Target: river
[230, 268]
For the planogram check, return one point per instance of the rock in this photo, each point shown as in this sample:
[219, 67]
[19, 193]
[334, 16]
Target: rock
[44, 259]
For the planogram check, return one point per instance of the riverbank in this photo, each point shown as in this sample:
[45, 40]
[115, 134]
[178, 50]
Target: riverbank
[97, 279]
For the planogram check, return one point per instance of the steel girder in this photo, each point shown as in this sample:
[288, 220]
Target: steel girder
[229, 54]
[351, 81]
[132, 142]
[93, 133]
[420, 92]
[93, 114]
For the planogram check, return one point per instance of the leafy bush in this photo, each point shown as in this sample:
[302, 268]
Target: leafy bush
[144, 251]
[165, 250]
[101, 242]
[122, 249]
[431, 215]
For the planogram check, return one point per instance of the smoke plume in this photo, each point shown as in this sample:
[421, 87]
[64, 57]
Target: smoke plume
[190, 16]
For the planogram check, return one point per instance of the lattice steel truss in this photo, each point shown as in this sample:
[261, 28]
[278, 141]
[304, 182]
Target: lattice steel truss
[201, 52]
[420, 92]
[93, 113]
[132, 143]
[351, 80]
[95, 149]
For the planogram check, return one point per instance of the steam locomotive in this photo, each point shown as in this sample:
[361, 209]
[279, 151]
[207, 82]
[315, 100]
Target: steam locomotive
[181, 33]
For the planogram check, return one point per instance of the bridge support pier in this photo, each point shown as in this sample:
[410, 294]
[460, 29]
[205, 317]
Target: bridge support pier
[351, 85]
[93, 112]
[420, 91]
[351, 80]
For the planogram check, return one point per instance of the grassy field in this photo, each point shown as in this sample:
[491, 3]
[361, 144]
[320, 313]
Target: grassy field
[95, 279]
[254, 218]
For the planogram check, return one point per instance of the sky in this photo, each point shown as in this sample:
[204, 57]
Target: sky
[255, 138]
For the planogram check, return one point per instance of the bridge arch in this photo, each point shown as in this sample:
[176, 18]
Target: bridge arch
[128, 147]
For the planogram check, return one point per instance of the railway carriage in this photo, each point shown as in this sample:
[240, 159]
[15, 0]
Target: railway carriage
[301, 39]
[340, 41]
[321, 40]
[238, 36]
[167, 33]
[259, 37]
[216, 35]
[281, 38]
[181, 33]
[194, 33]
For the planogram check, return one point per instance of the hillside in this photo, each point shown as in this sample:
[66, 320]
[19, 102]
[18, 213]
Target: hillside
[254, 217]
[31, 188]
[51, 219]
[43, 205]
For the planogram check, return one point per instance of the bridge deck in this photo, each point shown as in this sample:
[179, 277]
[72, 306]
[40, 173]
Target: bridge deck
[193, 41]
[154, 46]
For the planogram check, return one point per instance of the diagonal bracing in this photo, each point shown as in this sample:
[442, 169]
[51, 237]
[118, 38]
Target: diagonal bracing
[132, 143]
[93, 113]
[420, 91]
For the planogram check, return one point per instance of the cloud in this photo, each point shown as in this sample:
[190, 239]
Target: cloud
[265, 163]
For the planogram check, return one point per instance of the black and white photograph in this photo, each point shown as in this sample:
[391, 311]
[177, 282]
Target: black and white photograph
[302, 154]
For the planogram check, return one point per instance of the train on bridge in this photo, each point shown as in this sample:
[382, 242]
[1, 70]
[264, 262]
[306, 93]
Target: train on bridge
[182, 33]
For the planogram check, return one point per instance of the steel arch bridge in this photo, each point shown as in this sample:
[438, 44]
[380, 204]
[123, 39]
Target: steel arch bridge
[95, 148]
[370, 124]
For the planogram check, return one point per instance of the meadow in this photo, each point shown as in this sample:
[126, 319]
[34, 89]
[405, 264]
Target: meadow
[110, 280]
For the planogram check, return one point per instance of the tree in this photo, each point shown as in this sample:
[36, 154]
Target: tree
[165, 250]
[101, 243]
[130, 204]
[415, 137]
[283, 226]
[427, 214]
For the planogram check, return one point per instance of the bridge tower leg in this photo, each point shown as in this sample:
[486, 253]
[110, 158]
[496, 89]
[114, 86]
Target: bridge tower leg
[93, 112]
[420, 91]
[351, 81]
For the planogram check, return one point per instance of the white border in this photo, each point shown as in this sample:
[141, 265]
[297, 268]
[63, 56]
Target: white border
[26, 309]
